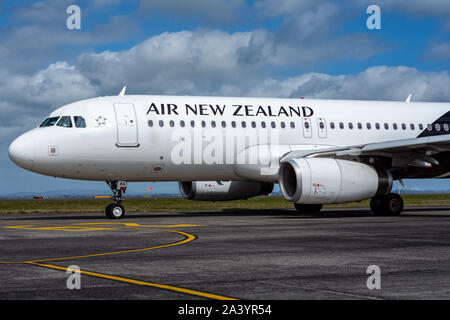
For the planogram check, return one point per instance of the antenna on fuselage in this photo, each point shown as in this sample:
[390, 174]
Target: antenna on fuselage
[122, 93]
[408, 100]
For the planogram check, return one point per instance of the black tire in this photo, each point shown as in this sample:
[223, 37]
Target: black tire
[375, 205]
[392, 204]
[115, 211]
[107, 209]
[389, 205]
[308, 208]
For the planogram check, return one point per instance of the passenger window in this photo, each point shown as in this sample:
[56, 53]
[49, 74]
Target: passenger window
[403, 126]
[368, 125]
[213, 124]
[253, 124]
[377, 126]
[161, 123]
[341, 125]
[182, 123]
[172, 123]
[224, 124]
[283, 125]
[273, 125]
[263, 124]
[429, 127]
[293, 125]
[79, 122]
[438, 127]
[395, 126]
[359, 125]
[150, 123]
[49, 122]
[446, 128]
[350, 125]
[192, 123]
[65, 122]
[203, 124]
[243, 124]
[420, 126]
[412, 126]
[233, 124]
[307, 125]
[386, 126]
[332, 125]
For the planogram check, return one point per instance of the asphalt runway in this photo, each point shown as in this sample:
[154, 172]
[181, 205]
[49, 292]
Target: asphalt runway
[241, 254]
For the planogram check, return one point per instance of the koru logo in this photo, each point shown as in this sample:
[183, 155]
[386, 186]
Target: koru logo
[101, 121]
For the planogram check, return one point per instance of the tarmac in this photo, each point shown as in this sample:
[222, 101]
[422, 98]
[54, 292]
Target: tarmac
[234, 254]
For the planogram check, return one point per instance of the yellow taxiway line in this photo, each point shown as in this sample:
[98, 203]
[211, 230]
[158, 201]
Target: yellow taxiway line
[140, 283]
[187, 238]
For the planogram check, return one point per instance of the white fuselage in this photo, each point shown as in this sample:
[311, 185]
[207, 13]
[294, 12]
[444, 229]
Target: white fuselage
[119, 143]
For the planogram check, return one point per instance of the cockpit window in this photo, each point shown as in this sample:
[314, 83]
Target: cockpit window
[79, 122]
[49, 122]
[65, 122]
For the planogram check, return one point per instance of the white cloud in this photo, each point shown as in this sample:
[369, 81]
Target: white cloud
[171, 62]
[37, 35]
[200, 61]
[25, 100]
[375, 83]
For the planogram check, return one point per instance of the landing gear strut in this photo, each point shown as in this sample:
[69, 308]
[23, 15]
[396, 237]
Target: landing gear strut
[388, 205]
[116, 210]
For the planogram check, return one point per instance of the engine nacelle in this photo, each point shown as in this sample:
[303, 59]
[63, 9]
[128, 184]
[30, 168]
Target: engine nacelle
[223, 191]
[325, 180]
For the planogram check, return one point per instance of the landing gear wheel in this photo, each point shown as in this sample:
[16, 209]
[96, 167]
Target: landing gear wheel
[115, 211]
[308, 208]
[389, 205]
[392, 204]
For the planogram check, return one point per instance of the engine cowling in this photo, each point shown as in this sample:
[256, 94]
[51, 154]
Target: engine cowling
[223, 191]
[325, 180]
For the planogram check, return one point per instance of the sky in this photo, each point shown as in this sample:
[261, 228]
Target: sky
[261, 48]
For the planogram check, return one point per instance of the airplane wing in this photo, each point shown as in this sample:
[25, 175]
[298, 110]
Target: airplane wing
[419, 150]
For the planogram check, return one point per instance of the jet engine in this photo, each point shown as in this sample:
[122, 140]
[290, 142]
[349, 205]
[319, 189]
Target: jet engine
[325, 180]
[223, 190]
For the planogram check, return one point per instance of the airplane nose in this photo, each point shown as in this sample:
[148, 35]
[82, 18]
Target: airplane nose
[21, 151]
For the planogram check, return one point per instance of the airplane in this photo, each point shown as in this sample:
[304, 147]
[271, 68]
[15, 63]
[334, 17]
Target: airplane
[229, 148]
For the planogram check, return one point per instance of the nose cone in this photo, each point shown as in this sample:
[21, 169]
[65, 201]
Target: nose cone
[21, 151]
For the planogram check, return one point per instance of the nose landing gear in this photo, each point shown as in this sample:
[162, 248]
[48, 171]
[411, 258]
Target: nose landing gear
[116, 210]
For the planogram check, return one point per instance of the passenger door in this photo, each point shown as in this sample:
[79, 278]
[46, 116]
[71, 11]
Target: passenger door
[127, 130]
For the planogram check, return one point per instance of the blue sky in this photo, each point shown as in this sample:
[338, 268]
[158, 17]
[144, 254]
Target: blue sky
[282, 48]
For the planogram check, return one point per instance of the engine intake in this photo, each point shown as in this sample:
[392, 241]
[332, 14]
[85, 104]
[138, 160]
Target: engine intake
[325, 180]
[223, 191]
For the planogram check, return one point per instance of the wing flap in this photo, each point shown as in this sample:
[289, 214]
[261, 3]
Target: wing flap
[432, 143]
